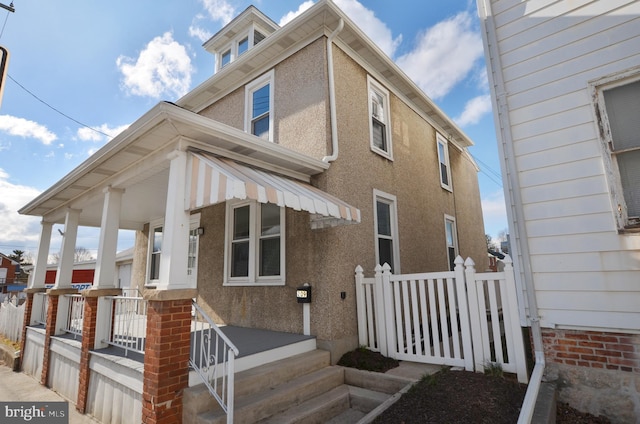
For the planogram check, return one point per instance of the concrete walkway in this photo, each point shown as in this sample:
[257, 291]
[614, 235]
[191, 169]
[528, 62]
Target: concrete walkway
[17, 386]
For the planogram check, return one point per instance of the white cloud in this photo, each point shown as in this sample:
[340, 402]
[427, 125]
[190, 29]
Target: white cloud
[219, 10]
[494, 213]
[26, 129]
[292, 15]
[88, 134]
[15, 229]
[474, 110]
[371, 25]
[444, 55]
[162, 68]
[196, 31]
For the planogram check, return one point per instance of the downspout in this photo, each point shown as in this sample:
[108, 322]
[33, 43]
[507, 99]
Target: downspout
[512, 196]
[332, 95]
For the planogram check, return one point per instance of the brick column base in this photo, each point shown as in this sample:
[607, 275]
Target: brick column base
[28, 307]
[166, 358]
[88, 341]
[52, 314]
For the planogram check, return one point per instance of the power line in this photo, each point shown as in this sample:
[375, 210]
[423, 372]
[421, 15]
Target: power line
[57, 110]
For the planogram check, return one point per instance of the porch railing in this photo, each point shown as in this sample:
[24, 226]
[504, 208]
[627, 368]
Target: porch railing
[128, 328]
[212, 358]
[75, 317]
[41, 318]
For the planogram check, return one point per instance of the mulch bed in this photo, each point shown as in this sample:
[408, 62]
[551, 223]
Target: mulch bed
[458, 396]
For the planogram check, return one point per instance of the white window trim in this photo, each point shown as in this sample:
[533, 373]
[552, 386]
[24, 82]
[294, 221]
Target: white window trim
[250, 88]
[391, 200]
[253, 279]
[440, 140]
[373, 85]
[449, 218]
[194, 223]
[597, 88]
[159, 222]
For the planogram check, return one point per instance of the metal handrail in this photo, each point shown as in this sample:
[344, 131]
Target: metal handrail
[128, 323]
[212, 356]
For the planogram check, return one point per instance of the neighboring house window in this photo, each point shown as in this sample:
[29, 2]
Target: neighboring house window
[452, 240]
[386, 230]
[380, 119]
[155, 250]
[259, 106]
[443, 159]
[619, 109]
[254, 251]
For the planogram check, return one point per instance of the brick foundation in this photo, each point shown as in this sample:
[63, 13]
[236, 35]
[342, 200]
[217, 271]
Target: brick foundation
[593, 349]
[166, 360]
[595, 372]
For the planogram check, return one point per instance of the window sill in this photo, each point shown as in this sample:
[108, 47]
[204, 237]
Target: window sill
[278, 283]
[630, 229]
[382, 153]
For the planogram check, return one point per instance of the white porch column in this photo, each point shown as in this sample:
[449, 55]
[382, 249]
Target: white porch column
[105, 272]
[40, 269]
[37, 277]
[67, 250]
[175, 242]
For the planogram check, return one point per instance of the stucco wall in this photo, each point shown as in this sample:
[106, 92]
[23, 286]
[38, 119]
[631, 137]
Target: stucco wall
[326, 259]
[300, 112]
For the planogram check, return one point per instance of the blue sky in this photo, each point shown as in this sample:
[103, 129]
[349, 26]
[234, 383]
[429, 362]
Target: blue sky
[82, 71]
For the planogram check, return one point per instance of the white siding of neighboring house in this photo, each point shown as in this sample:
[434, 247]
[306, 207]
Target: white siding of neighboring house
[585, 273]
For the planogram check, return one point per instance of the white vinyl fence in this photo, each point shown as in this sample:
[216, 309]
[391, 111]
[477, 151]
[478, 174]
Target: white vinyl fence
[11, 319]
[456, 318]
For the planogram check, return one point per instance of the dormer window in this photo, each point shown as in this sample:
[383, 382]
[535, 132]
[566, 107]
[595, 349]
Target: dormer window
[240, 36]
[225, 58]
[243, 45]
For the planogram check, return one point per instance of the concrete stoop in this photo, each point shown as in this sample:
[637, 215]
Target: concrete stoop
[301, 389]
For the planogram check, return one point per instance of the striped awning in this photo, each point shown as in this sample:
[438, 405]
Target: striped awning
[215, 180]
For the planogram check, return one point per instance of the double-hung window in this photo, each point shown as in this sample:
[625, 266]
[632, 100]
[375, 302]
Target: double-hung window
[379, 122]
[452, 240]
[254, 251]
[619, 110]
[259, 107]
[443, 159]
[386, 230]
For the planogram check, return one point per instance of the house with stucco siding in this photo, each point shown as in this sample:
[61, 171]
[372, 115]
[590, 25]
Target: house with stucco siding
[307, 153]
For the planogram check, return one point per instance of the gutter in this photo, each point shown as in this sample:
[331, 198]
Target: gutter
[512, 196]
[332, 95]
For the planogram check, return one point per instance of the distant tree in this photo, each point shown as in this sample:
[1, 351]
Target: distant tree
[490, 244]
[18, 256]
[81, 255]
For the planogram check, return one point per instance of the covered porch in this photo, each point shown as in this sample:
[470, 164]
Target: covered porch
[154, 178]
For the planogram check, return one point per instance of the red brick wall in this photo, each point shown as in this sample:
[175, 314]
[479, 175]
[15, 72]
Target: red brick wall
[593, 349]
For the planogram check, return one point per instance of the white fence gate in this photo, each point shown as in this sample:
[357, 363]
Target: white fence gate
[457, 318]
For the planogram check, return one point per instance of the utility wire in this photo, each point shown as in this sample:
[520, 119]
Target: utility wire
[57, 110]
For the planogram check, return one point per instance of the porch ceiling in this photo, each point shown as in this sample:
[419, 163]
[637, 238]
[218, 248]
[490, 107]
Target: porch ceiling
[136, 161]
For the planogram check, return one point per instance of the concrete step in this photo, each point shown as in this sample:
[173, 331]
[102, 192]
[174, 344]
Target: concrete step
[317, 410]
[348, 416]
[275, 399]
[198, 400]
[365, 400]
